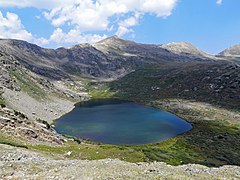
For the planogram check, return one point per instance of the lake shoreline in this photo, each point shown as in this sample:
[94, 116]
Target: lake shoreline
[105, 121]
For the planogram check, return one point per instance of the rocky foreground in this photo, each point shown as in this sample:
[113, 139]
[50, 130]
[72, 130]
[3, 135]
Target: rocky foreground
[16, 163]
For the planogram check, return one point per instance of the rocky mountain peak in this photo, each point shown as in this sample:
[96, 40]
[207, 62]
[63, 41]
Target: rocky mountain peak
[114, 40]
[183, 48]
[232, 51]
[111, 38]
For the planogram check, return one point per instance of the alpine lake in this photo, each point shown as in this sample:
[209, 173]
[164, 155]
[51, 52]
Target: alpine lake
[118, 122]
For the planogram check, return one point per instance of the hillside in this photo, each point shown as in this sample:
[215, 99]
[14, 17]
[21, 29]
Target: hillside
[215, 83]
[202, 93]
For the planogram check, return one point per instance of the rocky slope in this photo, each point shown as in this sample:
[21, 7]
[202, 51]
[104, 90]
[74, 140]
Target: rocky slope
[38, 94]
[16, 124]
[231, 54]
[16, 163]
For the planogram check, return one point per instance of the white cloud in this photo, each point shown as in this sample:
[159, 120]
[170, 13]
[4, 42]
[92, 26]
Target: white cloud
[219, 2]
[42, 4]
[125, 25]
[123, 30]
[11, 27]
[40, 41]
[90, 15]
[161, 8]
[73, 36]
[84, 16]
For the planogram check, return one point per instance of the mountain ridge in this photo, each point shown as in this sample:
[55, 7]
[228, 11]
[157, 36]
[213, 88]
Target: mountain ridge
[109, 58]
[116, 38]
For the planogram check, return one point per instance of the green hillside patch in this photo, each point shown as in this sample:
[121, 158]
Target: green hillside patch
[202, 82]
[28, 85]
[8, 140]
[98, 91]
[174, 151]
[92, 151]
[2, 102]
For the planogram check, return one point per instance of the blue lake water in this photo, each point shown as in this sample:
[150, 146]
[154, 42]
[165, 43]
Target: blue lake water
[119, 122]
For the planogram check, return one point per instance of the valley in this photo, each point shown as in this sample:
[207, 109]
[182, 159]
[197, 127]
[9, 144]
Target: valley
[40, 85]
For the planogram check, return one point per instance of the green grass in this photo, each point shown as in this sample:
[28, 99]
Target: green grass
[2, 102]
[85, 151]
[92, 151]
[174, 151]
[28, 85]
[8, 140]
[97, 92]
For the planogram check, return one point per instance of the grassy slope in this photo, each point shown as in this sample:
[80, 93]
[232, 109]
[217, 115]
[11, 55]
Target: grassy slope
[213, 83]
[12, 141]
[215, 135]
[98, 91]
[214, 139]
[85, 150]
[93, 151]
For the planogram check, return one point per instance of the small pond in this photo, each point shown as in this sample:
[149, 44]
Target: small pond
[113, 121]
